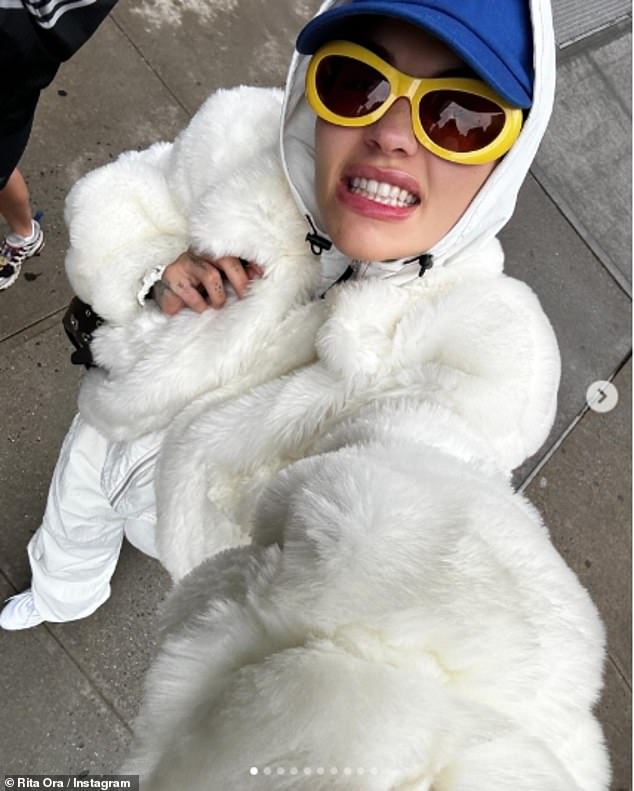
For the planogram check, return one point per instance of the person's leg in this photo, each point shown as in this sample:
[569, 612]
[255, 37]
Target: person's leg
[15, 205]
[75, 551]
[138, 505]
[25, 238]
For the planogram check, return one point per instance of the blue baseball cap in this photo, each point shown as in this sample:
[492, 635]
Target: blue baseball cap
[494, 37]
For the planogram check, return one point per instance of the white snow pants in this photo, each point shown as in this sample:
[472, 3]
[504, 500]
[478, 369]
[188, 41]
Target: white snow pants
[100, 491]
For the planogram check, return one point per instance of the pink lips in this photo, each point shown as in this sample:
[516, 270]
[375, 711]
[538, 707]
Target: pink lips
[370, 208]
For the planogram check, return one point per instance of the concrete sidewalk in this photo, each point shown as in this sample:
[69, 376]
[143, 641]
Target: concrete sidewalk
[69, 693]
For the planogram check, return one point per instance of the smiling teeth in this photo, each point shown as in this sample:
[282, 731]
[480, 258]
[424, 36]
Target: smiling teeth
[382, 192]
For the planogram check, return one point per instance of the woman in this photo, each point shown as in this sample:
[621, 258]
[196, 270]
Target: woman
[398, 618]
[477, 342]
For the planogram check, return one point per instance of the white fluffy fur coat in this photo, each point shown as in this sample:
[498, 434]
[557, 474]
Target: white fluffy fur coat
[401, 619]
[398, 614]
[465, 336]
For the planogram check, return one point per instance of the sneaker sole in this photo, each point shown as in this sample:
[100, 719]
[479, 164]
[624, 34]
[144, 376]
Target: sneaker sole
[18, 269]
[11, 280]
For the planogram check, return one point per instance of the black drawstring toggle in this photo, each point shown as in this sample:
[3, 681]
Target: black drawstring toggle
[317, 242]
[425, 262]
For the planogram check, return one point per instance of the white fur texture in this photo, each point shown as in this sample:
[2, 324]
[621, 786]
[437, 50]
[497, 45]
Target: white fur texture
[219, 189]
[122, 221]
[400, 609]
[477, 347]
[466, 330]
[141, 210]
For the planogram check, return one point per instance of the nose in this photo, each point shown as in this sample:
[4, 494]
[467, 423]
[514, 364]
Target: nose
[393, 133]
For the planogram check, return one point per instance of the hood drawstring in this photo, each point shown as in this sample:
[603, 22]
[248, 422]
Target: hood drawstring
[425, 262]
[317, 242]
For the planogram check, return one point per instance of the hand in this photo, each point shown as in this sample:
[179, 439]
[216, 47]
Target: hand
[196, 282]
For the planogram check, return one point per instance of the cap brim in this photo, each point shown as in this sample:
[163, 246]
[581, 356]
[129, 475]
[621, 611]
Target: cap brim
[461, 39]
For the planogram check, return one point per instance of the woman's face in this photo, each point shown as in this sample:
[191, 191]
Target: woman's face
[389, 153]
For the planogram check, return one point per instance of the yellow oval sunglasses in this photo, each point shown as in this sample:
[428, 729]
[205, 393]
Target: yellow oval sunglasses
[457, 118]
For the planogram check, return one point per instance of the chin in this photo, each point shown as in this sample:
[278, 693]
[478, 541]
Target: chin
[372, 246]
[370, 239]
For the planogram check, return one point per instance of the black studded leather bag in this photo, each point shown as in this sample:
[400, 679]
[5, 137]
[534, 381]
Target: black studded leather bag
[80, 321]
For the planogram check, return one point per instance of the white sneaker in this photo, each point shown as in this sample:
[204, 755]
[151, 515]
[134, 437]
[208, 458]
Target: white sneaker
[14, 251]
[20, 612]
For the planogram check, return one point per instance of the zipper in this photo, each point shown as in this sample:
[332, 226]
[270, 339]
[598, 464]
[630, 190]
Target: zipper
[138, 468]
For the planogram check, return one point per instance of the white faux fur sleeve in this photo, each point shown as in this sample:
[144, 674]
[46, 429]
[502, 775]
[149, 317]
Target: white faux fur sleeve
[122, 221]
[134, 214]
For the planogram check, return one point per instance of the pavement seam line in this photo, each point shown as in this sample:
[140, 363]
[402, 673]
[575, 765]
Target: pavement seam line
[56, 313]
[580, 230]
[108, 703]
[609, 88]
[619, 670]
[3, 574]
[151, 68]
[567, 431]
[600, 36]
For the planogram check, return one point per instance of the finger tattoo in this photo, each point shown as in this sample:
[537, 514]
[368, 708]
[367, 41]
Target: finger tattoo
[159, 288]
[196, 260]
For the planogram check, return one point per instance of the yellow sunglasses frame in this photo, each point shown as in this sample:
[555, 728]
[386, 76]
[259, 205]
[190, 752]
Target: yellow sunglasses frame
[413, 89]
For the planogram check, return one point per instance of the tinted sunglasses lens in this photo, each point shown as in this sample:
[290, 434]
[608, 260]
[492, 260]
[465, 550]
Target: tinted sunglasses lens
[460, 121]
[349, 87]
